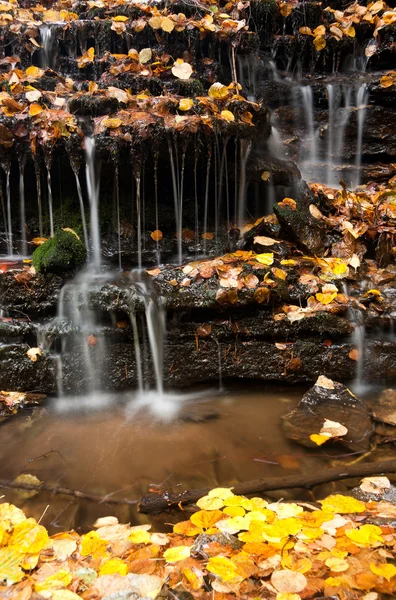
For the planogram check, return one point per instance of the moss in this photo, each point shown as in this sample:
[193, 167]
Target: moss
[63, 252]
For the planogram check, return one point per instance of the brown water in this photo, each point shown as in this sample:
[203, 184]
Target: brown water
[229, 437]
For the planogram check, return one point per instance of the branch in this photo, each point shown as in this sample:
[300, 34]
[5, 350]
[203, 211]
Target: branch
[55, 489]
[158, 503]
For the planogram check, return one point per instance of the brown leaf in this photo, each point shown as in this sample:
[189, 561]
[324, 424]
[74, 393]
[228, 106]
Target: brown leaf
[354, 354]
[92, 340]
[204, 330]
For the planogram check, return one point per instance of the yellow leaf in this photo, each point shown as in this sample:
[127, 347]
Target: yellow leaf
[64, 595]
[281, 596]
[284, 510]
[34, 71]
[337, 565]
[145, 55]
[60, 579]
[319, 43]
[351, 32]
[366, 535]
[29, 537]
[342, 504]
[325, 298]
[35, 109]
[167, 24]
[234, 511]
[320, 30]
[120, 18]
[186, 104]
[93, 545]
[139, 536]
[218, 91]
[186, 528]
[265, 259]
[113, 565]
[305, 31]
[225, 569]
[10, 571]
[279, 273]
[110, 123]
[194, 577]
[227, 115]
[210, 503]
[222, 493]
[238, 501]
[386, 570]
[86, 58]
[177, 553]
[10, 516]
[155, 22]
[205, 519]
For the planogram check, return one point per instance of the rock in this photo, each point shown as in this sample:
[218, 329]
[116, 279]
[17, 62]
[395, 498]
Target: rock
[384, 408]
[12, 402]
[329, 400]
[63, 252]
[299, 224]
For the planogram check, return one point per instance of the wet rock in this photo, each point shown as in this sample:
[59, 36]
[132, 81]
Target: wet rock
[224, 539]
[19, 373]
[329, 400]
[63, 252]
[385, 251]
[13, 402]
[298, 223]
[36, 297]
[384, 407]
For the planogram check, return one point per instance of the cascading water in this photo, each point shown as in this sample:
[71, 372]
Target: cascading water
[93, 185]
[22, 207]
[48, 42]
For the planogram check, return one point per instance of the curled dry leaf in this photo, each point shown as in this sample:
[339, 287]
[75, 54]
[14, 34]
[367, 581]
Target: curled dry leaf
[324, 382]
[34, 353]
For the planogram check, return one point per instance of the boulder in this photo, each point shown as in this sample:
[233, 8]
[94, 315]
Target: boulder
[63, 252]
[328, 400]
[384, 408]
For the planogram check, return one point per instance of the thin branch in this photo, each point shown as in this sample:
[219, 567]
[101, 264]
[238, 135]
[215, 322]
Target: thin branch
[55, 489]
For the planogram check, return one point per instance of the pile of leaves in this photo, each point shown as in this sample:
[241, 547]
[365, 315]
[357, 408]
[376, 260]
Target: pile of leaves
[232, 546]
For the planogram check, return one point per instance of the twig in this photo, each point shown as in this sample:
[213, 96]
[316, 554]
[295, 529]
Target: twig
[55, 489]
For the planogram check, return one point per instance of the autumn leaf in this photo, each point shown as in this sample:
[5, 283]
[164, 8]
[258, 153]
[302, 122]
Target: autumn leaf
[342, 504]
[265, 259]
[34, 353]
[93, 545]
[177, 553]
[386, 570]
[86, 59]
[181, 69]
[156, 235]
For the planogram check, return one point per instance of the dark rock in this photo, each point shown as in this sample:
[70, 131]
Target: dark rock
[224, 539]
[336, 403]
[63, 252]
[298, 223]
[13, 402]
[37, 297]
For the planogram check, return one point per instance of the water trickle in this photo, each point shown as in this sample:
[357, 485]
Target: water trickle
[38, 191]
[93, 185]
[82, 208]
[177, 194]
[6, 169]
[245, 146]
[137, 174]
[50, 199]
[117, 194]
[22, 207]
[207, 194]
[361, 101]
[48, 42]
[156, 201]
[308, 107]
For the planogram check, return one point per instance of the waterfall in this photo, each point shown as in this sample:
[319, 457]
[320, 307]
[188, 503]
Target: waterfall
[48, 42]
[82, 209]
[22, 207]
[246, 146]
[308, 107]
[50, 199]
[361, 101]
[93, 184]
[9, 217]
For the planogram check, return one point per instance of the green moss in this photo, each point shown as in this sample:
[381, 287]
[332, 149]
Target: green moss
[63, 252]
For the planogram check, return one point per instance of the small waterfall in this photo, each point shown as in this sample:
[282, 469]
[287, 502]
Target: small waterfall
[93, 184]
[246, 146]
[155, 321]
[358, 339]
[22, 207]
[38, 191]
[48, 42]
[331, 132]
[361, 101]
[50, 199]
[9, 217]
[82, 209]
[308, 107]
[139, 217]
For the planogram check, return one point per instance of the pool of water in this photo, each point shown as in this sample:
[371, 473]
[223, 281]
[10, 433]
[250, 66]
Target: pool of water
[123, 447]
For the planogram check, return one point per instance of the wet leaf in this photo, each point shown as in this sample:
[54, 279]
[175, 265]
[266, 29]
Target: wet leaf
[319, 43]
[156, 235]
[186, 104]
[181, 69]
[177, 553]
[265, 259]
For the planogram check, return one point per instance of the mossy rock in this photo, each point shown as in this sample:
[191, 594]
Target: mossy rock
[63, 252]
